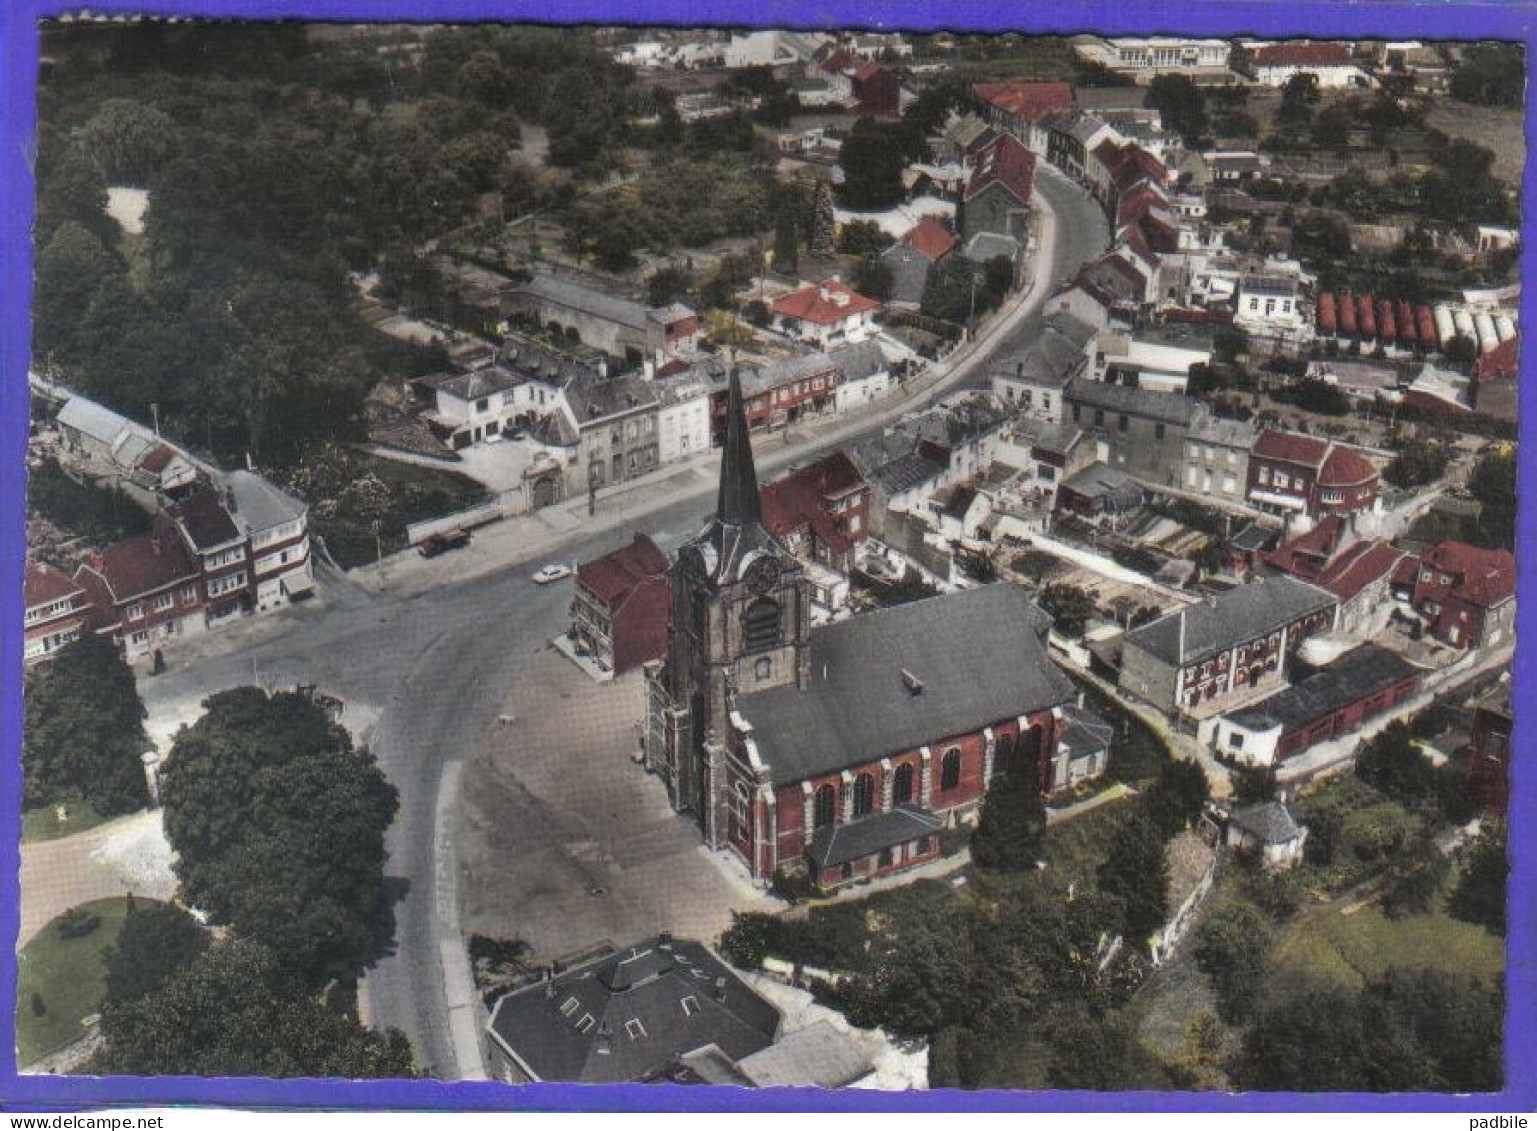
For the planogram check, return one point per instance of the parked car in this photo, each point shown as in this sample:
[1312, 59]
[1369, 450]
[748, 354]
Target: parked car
[551, 573]
[435, 544]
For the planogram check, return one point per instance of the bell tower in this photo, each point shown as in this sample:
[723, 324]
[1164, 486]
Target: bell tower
[741, 613]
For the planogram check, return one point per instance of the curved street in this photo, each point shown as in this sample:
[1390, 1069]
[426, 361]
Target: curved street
[422, 674]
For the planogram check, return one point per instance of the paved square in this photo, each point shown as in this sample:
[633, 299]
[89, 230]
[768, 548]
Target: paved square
[564, 841]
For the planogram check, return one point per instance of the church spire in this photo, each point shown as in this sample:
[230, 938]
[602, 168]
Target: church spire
[738, 503]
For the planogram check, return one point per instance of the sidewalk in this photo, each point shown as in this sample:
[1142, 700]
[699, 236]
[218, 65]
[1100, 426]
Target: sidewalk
[527, 538]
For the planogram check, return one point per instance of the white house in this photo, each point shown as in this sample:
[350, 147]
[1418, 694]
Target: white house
[864, 375]
[1159, 55]
[1269, 832]
[1158, 358]
[1277, 63]
[1270, 305]
[278, 527]
[829, 314]
[772, 49]
[683, 415]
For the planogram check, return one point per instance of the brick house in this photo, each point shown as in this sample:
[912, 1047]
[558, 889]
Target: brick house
[778, 394]
[1357, 571]
[821, 512]
[877, 91]
[621, 606]
[58, 611]
[997, 196]
[277, 525]
[1489, 758]
[841, 751]
[1293, 473]
[1017, 107]
[1223, 651]
[147, 590]
[222, 553]
[1467, 595]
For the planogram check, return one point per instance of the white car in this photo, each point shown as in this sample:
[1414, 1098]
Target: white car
[551, 573]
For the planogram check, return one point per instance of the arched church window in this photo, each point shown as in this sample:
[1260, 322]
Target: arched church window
[826, 806]
[902, 785]
[760, 627]
[950, 769]
[864, 795]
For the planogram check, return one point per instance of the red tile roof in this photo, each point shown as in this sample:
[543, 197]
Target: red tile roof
[614, 577]
[1129, 165]
[206, 520]
[1292, 447]
[1483, 577]
[1027, 100]
[867, 72]
[839, 61]
[1303, 55]
[1346, 468]
[156, 459]
[141, 565]
[931, 239]
[801, 497]
[44, 585]
[824, 304]
[1498, 362]
[1359, 566]
[1318, 558]
[1005, 161]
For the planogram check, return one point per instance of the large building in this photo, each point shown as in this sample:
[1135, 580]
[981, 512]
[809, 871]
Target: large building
[620, 607]
[57, 611]
[1225, 650]
[844, 751]
[1298, 474]
[1466, 595]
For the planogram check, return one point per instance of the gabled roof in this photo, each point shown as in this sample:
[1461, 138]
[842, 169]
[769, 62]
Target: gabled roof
[1322, 558]
[859, 360]
[614, 577]
[931, 239]
[1003, 161]
[1481, 577]
[45, 585]
[1174, 408]
[1269, 822]
[1346, 468]
[630, 1014]
[143, 564]
[1498, 362]
[824, 304]
[575, 296]
[1359, 674]
[801, 499]
[1217, 623]
[593, 398]
[858, 705]
[1027, 100]
[847, 841]
[258, 505]
[93, 420]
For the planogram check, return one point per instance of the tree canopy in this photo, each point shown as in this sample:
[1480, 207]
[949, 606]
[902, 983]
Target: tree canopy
[156, 942]
[278, 825]
[1135, 873]
[873, 157]
[236, 1011]
[1008, 834]
[84, 730]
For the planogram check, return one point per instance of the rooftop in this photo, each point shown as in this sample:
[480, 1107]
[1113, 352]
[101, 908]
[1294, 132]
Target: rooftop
[931, 239]
[1004, 161]
[1175, 408]
[142, 564]
[45, 585]
[1359, 674]
[613, 577]
[824, 304]
[258, 504]
[1482, 577]
[859, 704]
[843, 842]
[1217, 623]
[1027, 100]
[630, 1014]
[1270, 822]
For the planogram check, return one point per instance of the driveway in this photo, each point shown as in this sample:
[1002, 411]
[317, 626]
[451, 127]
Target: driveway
[126, 855]
[565, 842]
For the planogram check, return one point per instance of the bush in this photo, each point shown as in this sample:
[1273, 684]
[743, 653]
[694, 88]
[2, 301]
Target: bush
[39, 1007]
[77, 923]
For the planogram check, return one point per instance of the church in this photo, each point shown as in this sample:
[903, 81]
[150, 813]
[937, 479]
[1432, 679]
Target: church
[842, 751]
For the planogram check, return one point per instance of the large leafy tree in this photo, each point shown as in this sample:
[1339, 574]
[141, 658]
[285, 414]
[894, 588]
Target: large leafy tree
[1230, 950]
[278, 825]
[1480, 893]
[1182, 104]
[236, 1011]
[127, 140]
[1176, 799]
[1135, 873]
[1008, 835]
[157, 941]
[84, 730]
[873, 157]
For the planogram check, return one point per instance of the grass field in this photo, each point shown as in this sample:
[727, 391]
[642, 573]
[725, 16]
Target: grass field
[69, 977]
[43, 822]
[1352, 949]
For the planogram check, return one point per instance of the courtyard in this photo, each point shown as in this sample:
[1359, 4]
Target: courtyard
[565, 842]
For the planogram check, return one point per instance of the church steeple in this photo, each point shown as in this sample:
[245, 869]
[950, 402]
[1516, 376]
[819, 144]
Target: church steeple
[737, 503]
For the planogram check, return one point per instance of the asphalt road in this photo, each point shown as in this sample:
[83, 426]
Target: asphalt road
[436, 665]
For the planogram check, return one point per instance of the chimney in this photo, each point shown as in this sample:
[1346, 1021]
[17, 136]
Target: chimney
[913, 684]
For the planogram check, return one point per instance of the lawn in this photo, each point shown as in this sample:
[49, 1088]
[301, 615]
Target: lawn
[1136, 752]
[1074, 849]
[69, 977]
[43, 822]
[1352, 949]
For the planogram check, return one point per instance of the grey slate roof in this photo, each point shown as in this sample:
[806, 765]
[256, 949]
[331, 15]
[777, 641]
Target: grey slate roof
[1240, 614]
[593, 398]
[574, 296]
[649, 983]
[1134, 400]
[1254, 537]
[859, 361]
[757, 379]
[909, 272]
[1359, 674]
[1085, 732]
[1053, 359]
[978, 653]
[1225, 431]
[474, 383]
[832, 845]
[1270, 822]
[817, 1056]
[258, 504]
[1111, 486]
[93, 420]
[906, 472]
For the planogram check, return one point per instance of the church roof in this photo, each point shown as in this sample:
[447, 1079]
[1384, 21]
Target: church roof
[905, 677]
[737, 528]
